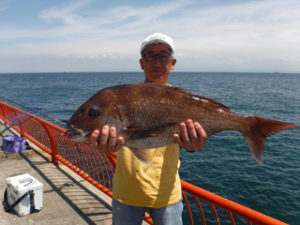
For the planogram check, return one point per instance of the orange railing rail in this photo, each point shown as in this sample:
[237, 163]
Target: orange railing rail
[98, 169]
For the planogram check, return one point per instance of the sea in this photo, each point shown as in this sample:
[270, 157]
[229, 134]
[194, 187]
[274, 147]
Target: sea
[225, 165]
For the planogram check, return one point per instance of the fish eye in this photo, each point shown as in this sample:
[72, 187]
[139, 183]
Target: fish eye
[94, 111]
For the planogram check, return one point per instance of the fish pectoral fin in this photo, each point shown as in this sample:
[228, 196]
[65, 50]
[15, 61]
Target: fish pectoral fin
[132, 129]
[144, 155]
[152, 133]
[142, 133]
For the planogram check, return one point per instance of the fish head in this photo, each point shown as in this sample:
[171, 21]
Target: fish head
[99, 110]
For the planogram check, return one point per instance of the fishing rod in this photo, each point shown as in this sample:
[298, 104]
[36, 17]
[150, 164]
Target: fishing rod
[21, 119]
[28, 110]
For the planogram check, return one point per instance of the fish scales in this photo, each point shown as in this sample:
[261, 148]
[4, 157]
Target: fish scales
[163, 105]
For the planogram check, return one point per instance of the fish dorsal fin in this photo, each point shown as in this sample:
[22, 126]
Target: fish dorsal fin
[218, 104]
[200, 98]
[181, 91]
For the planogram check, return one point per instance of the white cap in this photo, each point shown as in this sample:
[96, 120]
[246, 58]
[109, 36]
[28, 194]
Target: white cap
[158, 38]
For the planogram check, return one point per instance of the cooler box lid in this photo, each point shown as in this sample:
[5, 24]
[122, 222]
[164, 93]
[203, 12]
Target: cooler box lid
[23, 183]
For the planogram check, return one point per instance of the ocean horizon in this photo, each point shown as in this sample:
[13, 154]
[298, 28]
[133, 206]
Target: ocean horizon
[139, 71]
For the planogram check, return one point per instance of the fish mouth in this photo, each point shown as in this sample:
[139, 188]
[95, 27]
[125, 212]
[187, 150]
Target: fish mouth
[77, 134]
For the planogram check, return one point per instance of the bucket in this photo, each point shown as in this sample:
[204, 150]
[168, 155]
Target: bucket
[14, 144]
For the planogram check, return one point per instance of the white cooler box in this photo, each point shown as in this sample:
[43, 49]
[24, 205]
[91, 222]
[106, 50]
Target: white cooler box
[27, 187]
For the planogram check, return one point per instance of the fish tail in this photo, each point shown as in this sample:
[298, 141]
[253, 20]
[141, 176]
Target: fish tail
[259, 130]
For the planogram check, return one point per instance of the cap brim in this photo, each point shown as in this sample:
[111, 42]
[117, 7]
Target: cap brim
[155, 42]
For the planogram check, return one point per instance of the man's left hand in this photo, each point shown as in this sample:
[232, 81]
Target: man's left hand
[192, 136]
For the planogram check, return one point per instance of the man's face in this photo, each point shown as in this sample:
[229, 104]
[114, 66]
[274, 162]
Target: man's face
[157, 62]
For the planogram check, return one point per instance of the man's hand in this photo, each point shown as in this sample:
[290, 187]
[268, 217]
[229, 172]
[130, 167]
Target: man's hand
[192, 136]
[106, 141]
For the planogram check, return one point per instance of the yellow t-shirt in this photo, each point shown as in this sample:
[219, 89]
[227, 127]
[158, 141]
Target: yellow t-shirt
[137, 184]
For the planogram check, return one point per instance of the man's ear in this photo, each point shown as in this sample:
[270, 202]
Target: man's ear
[142, 64]
[173, 63]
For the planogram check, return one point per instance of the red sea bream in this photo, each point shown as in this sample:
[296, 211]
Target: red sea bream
[147, 115]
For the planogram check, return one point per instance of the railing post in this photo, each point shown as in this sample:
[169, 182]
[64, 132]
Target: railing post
[1, 109]
[20, 126]
[53, 143]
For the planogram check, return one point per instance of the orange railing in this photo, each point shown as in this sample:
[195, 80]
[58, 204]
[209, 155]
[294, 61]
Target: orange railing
[202, 206]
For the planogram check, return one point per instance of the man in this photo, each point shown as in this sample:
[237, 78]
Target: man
[137, 187]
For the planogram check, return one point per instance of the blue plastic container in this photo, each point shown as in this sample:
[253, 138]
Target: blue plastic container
[14, 144]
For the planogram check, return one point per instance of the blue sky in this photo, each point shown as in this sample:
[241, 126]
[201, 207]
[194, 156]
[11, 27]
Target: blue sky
[95, 35]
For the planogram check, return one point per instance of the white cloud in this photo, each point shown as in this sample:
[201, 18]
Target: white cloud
[230, 37]
[256, 35]
[66, 14]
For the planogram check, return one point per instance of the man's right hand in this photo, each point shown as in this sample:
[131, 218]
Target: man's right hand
[106, 141]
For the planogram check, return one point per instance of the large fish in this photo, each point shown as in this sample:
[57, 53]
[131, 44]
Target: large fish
[147, 115]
